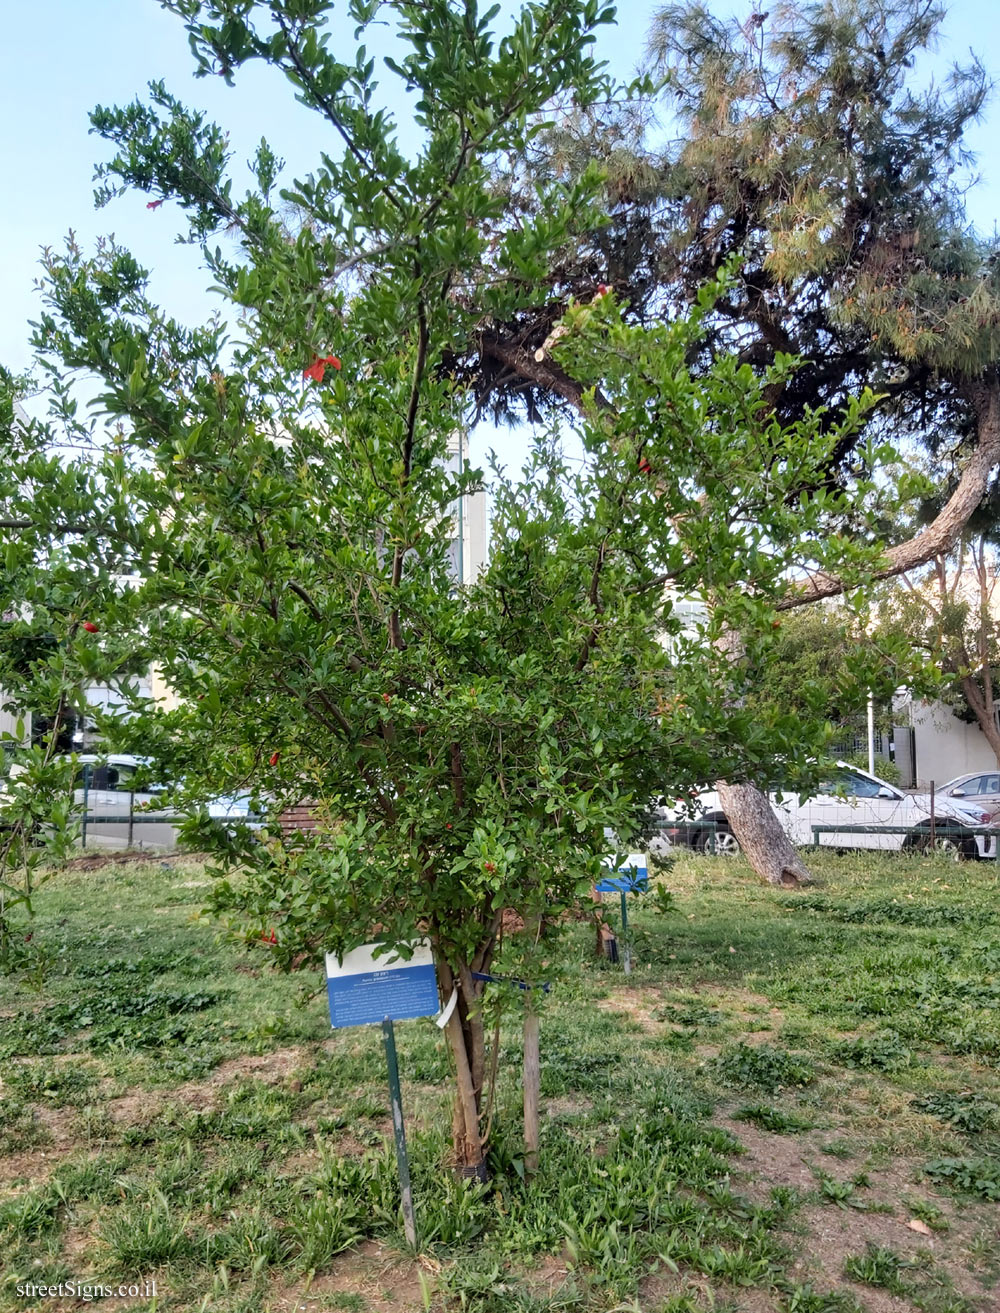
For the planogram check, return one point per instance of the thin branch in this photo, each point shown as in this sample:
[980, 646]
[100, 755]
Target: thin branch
[594, 597]
[328, 107]
[423, 337]
[299, 591]
[457, 779]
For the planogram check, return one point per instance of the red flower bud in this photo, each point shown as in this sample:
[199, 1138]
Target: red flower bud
[489, 866]
[447, 827]
[90, 627]
[386, 698]
[273, 759]
[603, 289]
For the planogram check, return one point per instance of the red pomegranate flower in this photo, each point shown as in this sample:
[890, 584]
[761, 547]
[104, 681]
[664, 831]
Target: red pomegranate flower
[319, 366]
[274, 758]
[154, 205]
[90, 627]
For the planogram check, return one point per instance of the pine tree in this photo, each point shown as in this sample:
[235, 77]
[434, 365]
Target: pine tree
[803, 155]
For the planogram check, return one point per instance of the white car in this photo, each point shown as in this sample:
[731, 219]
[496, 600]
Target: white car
[847, 797]
[105, 784]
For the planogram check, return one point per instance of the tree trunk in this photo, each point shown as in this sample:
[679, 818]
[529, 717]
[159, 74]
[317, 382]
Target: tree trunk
[981, 708]
[766, 846]
[467, 1043]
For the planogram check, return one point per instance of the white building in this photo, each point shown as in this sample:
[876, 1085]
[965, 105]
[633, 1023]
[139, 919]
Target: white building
[943, 745]
[470, 545]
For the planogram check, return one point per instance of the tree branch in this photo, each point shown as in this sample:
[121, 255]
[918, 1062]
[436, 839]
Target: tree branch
[326, 104]
[395, 633]
[543, 373]
[941, 535]
[299, 591]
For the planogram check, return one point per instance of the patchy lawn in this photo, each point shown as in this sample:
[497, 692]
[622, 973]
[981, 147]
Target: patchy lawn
[792, 1104]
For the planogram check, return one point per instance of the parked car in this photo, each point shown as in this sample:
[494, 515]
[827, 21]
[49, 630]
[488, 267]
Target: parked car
[982, 790]
[847, 796]
[107, 783]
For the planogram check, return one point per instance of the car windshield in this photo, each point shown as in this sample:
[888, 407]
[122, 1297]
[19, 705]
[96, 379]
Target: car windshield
[851, 784]
[118, 776]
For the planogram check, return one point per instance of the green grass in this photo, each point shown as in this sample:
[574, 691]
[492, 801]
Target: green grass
[202, 1125]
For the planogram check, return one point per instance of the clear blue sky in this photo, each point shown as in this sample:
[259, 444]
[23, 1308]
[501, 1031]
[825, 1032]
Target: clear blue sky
[64, 58]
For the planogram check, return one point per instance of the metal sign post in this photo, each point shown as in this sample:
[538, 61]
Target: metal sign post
[399, 1131]
[626, 950]
[365, 990]
[86, 803]
[631, 877]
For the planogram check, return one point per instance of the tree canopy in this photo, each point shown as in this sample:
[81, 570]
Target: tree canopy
[801, 148]
[264, 508]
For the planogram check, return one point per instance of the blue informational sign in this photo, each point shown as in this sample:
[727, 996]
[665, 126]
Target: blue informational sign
[365, 989]
[632, 877]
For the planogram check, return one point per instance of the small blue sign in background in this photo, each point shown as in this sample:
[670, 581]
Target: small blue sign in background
[364, 989]
[632, 877]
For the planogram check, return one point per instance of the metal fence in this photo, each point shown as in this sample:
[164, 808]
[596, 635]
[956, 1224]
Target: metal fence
[942, 835]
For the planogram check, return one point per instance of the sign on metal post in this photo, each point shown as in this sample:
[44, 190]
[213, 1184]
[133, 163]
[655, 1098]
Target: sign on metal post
[631, 877]
[365, 990]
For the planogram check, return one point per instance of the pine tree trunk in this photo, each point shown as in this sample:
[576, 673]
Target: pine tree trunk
[982, 709]
[765, 845]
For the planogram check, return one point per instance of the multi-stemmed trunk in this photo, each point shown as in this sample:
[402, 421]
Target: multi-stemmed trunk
[466, 1038]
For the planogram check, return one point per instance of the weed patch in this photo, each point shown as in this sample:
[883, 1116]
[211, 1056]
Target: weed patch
[22, 1127]
[882, 1052]
[966, 1112]
[120, 1018]
[975, 1176]
[771, 1119]
[762, 1067]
